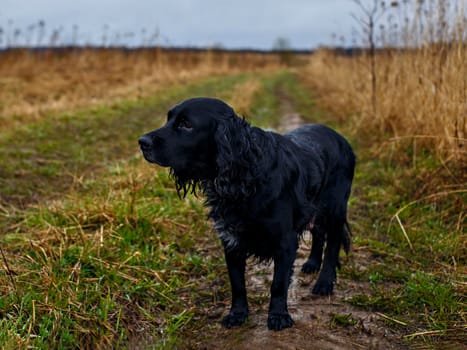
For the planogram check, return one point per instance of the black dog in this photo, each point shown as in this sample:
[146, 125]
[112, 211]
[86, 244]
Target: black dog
[264, 191]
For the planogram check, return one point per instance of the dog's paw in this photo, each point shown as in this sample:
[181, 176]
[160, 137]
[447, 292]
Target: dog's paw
[311, 267]
[323, 288]
[234, 319]
[276, 322]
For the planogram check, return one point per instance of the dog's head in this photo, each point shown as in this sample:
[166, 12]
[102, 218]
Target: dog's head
[196, 141]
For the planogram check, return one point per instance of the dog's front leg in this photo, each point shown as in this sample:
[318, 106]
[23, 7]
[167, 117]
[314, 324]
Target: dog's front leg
[238, 314]
[279, 317]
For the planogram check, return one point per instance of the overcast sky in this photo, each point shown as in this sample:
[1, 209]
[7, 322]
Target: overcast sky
[232, 23]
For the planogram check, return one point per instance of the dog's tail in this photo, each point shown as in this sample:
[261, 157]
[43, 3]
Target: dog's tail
[346, 235]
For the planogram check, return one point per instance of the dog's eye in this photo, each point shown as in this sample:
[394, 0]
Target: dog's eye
[184, 124]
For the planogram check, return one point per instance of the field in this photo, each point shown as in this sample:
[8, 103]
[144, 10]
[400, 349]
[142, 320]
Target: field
[98, 251]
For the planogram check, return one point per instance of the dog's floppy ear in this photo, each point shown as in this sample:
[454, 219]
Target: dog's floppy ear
[235, 158]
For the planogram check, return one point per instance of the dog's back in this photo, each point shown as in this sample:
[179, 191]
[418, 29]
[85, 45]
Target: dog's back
[337, 160]
[329, 145]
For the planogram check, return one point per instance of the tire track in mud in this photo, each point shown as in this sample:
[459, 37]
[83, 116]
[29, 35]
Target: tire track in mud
[317, 324]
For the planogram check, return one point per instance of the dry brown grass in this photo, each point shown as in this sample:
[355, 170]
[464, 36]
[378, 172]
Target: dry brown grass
[421, 88]
[421, 94]
[35, 83]
[243, 95]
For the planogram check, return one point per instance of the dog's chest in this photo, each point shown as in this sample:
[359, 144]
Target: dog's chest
[240, 226]
[229, 238]
[248, 236]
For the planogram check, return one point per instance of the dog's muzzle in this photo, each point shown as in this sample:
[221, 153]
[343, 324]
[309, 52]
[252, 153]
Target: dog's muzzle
[145, 143]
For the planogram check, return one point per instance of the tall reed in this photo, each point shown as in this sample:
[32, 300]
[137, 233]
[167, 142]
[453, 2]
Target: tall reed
[421, 73]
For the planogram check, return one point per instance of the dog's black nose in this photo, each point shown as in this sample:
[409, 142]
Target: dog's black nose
[145, 141]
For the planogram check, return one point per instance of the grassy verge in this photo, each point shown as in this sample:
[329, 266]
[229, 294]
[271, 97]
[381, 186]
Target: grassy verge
[417, 250]
[111, 265]
[427, 225]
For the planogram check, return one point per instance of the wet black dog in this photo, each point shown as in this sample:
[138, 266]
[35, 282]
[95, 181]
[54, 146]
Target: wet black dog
[264, 191]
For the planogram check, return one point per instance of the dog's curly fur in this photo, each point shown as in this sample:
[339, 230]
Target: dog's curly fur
[264, 190]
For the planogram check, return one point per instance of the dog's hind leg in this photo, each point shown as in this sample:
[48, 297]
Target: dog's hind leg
[327, 276]
[313, 264]
[238, 314]
[334, 223]
[337, 236]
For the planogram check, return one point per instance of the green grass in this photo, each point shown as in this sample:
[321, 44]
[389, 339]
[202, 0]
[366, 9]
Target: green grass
[106, 264]
[342, 320]
[110, 256]
[112, 260]
[45, 158]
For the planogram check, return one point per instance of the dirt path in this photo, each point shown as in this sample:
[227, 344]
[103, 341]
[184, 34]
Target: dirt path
[290, 119]
[320, 322]
[316, 318]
